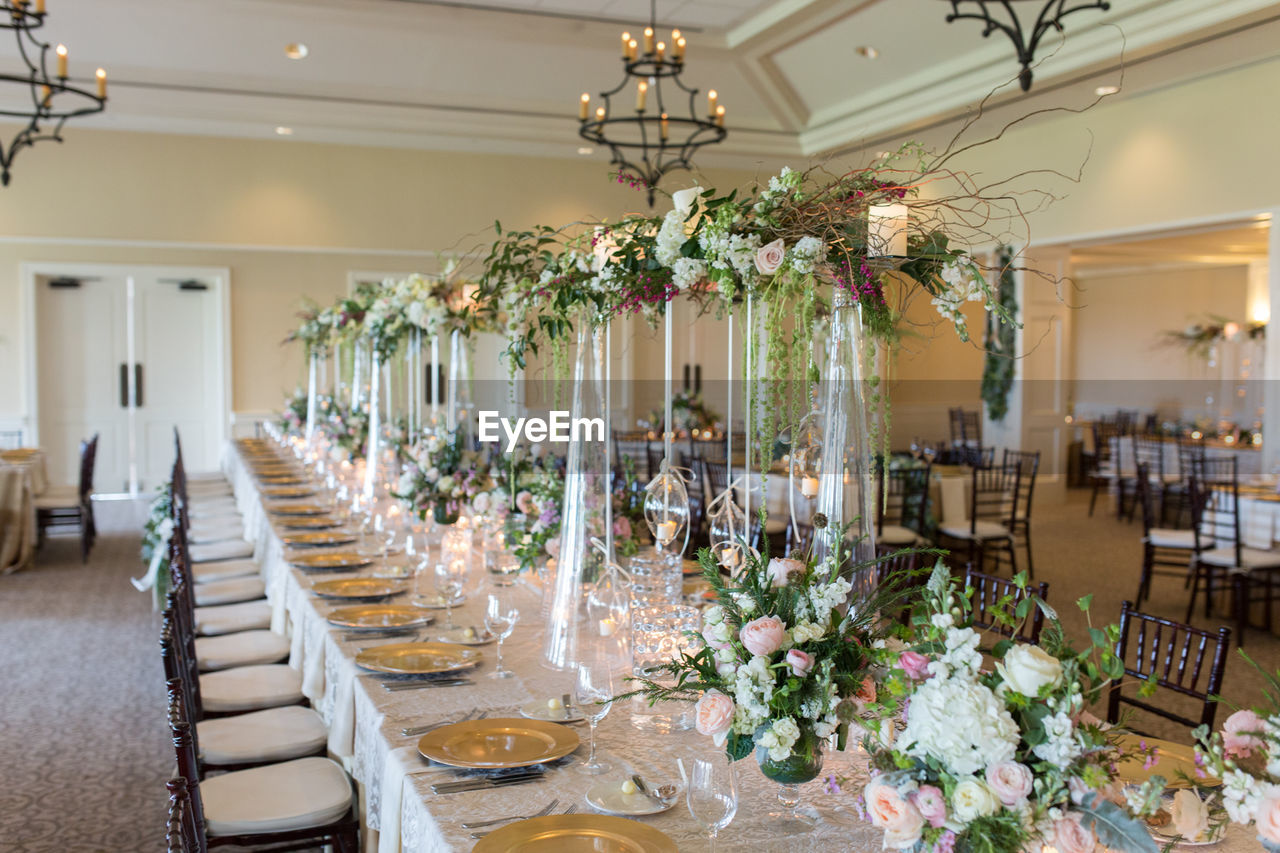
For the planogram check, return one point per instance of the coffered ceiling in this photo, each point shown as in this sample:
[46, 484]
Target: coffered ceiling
[505, 75]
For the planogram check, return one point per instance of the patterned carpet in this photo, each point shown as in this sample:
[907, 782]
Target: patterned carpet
[83, 741]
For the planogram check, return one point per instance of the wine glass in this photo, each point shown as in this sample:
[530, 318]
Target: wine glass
[500, 617]
[450, 577]
[711, 791]
[591, 693]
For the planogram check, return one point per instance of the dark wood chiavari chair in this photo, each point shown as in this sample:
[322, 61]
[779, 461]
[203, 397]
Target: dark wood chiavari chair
[1174, 653]
[1028, 463]
[904, 571]
[634, 444]
[988, 591]
[1104, 469]
[990, 523]
[902, 507]
[1161, 546]
[1149, 452]
[966, 427]
[72, 506]
[180, 832]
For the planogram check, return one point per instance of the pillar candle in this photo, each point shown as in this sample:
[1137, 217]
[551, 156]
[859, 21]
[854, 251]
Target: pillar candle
[887, 230]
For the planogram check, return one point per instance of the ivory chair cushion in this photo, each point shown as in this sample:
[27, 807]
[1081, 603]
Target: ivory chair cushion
[1250, 558]
[57, 501]
[229, 591]
[297, 794]
[1164, 538]
[896, 534]
[273, 734]
[223, 569]
[229, 618]
[982, 531]
[230, 550]
[251, 688]
[243, 648]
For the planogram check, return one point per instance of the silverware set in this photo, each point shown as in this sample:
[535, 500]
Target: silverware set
[425, 683]
[412, 731]
[484, 783]
[573, 807]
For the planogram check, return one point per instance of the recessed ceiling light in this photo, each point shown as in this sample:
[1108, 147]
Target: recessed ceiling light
[1103, 91]
[585, 150]
[868, 51]
[284, 131]
[296, 50]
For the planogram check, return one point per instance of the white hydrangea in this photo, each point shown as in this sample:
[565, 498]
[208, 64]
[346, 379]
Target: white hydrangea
[805, 253]
[671, 238]
[1061, 746]
[962, 724]
[715, 248]
[742, 254]
[686, 272]
[961, 651]
[779, 738]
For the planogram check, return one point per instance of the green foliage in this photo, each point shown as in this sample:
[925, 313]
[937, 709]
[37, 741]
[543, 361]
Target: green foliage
[1001, 343]
[1116, 829]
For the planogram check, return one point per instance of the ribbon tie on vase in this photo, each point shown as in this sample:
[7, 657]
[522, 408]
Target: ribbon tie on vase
[610, 596]
[666, 504]
[158, 553]
[729, 529]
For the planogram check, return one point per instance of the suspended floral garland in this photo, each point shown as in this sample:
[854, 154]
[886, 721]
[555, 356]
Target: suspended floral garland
[1198, 338]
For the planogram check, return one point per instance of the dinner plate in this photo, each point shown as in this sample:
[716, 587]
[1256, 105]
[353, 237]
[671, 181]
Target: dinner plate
[318, 537]
[458, 637]
[417, 659]
[336, 560]
[308, 522]
[608, 797]
[375, 616]
[1176, 762]
[1166, 834]
[497, 741]
[297, 509]
[538, 710]
[355, 588]
[574, 832]
[288, 491]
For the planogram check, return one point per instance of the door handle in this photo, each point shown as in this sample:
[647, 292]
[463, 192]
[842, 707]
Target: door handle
[137, 385]
[124, 385]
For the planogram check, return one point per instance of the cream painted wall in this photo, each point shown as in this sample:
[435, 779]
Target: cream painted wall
[289, 219]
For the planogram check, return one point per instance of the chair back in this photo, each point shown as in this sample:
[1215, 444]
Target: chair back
[1191, 452]
[992, 493]
[1028, 463]
[1182, 659]
[1144, 499]
[707, 448]
[184, 746]
[654, 453]
[903, 497]
[88, 459]
[634, 444]
[966, 427]
[180, 831]
[1215, 505]
[1149, 451]
[992, 595]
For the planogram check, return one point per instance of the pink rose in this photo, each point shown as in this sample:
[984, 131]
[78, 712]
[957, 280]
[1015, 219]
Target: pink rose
[800, 662]
[914, 664]
[931, 804]
[1240, 734]
[887, 809]
[622, 527]
[769, 258]
[524, 503]
[782, 568]
[1011, 782]
[1071, 836]
[553, 547]
[714, 715]
[1268, 816]
[763, 636]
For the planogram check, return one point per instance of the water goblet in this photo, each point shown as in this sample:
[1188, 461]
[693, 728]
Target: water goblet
[450, 577]
[591, 693]
[500, 617]
[711, 792]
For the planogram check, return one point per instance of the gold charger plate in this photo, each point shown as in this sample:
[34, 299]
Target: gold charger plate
[497, 741]
[308, 522]
[355, 588]
[1176, 762]
[298, 509]
[374, 616]
[318, 537]
[339, 560]
[418, 659]
[288, 491]
[577, 833]
[282, 479]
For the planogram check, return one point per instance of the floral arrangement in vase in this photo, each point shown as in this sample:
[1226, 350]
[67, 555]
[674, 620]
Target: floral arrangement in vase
[443, 476]
[293, 417]
[533, 527]
[1245, 755]
[630, 532]
[690, 414]
[1004, 760]
[787, 660]
[349, 429]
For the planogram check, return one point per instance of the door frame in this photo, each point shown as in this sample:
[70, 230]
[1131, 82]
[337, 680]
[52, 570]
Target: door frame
[29, 271]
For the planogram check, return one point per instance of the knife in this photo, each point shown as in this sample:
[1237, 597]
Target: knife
[484, 784]
[392, 687]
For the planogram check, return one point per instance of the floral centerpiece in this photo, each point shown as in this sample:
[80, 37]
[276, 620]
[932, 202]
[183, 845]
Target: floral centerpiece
[443, 476]
[533, 527]
[293, 417]
[349, 429]
[999, 761]
[787, 660]
[1245, 755]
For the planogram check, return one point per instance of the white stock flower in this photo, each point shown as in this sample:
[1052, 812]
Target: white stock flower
[961, 723]
[1061, 746]
[1240, 795]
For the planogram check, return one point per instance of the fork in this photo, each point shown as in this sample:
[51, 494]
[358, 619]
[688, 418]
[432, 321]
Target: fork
[573, 808]
[422, 730]
[543, 812]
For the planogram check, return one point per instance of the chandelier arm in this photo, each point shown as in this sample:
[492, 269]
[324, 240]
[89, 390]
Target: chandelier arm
[991, 23]
[1043, 26]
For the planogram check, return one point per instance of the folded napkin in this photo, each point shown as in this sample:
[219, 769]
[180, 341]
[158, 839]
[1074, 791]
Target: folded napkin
[342, 725]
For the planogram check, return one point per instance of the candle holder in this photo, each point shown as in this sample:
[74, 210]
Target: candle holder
[660, 635]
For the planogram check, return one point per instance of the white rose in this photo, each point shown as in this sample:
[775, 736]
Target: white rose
[481, 503]
[445, 485]
[1190, 815]
[973, 799]
[1027, 668]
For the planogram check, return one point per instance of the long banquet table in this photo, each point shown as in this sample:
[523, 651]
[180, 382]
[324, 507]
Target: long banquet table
[365, 724]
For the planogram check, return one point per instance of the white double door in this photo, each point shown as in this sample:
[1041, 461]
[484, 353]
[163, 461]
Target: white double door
[129, 353]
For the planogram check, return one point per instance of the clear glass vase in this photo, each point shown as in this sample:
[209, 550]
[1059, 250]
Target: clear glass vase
[586, 510]
[803, 765]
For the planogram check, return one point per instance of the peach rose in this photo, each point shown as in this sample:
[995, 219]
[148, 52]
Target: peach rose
[1240, 734]
[800, 662]
[901, 821]
[867, 692]
[524, 503]
[1011, 782]
[782, 568]
[1071, 836]
[763, 636]
[1267, 816]
[714, 715]
[769, 258]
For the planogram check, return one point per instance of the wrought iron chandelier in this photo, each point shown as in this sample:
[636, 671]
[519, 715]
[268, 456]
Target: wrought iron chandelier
[52, 99]
[1026, 38]
[650, 140]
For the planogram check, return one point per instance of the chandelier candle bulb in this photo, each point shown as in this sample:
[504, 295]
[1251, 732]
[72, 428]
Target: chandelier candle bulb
[678, 49]
[626, 45]
[46, 95]
[648, 40]
[712, 97]
[39, 7]
[102, 83]
[642, 94]
[62, 60]
[599, 113]
[583, 106]
[664, 135]
[631, 50]
[720, 116]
